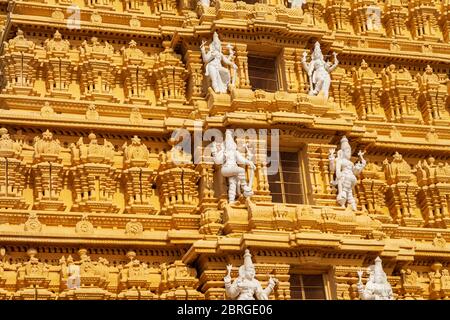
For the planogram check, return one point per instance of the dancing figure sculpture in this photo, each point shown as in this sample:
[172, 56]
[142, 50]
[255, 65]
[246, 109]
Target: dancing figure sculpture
[377, 286]
[219, 75]
[319, 71]
[346, 173]
[246, 287]
[230, 158]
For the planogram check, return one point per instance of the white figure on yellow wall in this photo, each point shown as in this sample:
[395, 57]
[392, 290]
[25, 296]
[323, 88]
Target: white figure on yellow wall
[377, 286]
[246, 287]
[346, 172]
[296, 3]
[229, 157]
[219, 75]
[319, 71]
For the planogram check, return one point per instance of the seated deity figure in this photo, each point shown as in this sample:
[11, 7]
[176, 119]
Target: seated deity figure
[319, 71]
[346, 173]
[246, 287]
[377, 286]
[219, 75]
[230, 158]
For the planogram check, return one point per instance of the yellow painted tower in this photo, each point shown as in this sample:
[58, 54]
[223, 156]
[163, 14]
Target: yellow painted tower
[95, 204]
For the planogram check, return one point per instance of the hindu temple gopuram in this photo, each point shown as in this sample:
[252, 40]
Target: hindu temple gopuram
[111, 186]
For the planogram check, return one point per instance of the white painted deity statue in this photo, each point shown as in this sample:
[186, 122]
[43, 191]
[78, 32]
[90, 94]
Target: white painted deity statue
[319, 71]
[230, 158]
[377, 286]
[219, 75]
[297, 3]
[245, 286]
[204, 3]
[346, 172]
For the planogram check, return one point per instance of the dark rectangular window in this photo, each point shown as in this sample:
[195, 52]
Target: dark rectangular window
[262, 72]
[285, 186]
[251, 1]
[307, 287]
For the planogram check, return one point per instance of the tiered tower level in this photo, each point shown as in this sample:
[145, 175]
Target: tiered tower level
[89, 100]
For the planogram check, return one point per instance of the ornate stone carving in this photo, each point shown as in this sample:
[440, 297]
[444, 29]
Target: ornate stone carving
[230, 158]
[135, 74]
[92, 113]
[220, 76]
[377, 286]
[86, 279]
[48, 172]
[139, 179]
[346, 173]
[434, 193]
[12, 172]
[246, 286]
[33, 224]
[94, 175]
[98, 71]
[47, 111]
[134, 228]
[33, 279]
[134, 278]
[401, 191]
[410, 285]
[177, 181]
[19, 65]
[84, 225]
[319, 71]
[60, 66]
[397, 94]
[179, 282]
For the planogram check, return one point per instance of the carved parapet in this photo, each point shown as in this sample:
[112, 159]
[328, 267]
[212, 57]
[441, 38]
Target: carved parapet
[431, 98]
[411, 288]
[401, 191]
[12, 172]
[439, 282]
[103, 4]
[48, 172]
[139, 178]
[60, 65]
[423, 19]
[434, 192]
[371, 189]
[177, 182]
[93, 278]
[397, 96]
[98, 71]
[170, 77]
[179, 282]
[366, 17]
[94, 175]
[33, 279]
[135, 73]
[19, 65]
[337, 15]
[395, 17]
[366, 87]
[134, 279]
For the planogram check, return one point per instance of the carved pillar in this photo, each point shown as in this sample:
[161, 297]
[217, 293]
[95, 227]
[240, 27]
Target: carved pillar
[288, 66]
[196, 74]
[242, 79]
